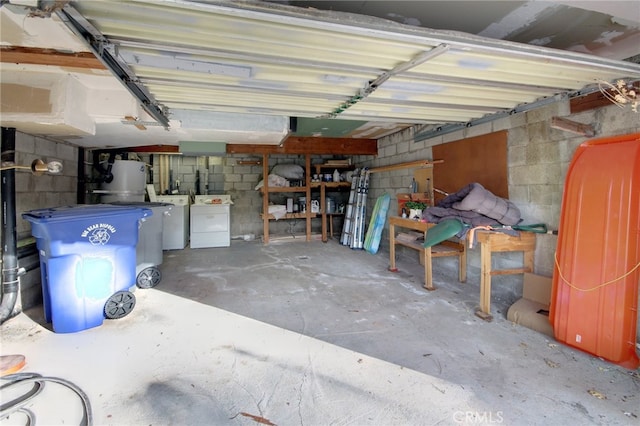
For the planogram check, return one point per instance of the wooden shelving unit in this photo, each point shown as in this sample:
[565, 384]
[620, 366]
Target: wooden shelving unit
[307, 189]
[323, 199]
[294, 145]
[266, 190]
[287, 189]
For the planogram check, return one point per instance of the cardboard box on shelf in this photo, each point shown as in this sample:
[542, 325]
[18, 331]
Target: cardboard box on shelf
[532, 310]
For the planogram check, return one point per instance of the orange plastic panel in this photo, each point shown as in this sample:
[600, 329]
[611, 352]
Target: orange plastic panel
[594, 304]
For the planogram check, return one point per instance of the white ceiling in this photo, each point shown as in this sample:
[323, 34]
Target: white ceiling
[609, 29]
[236, 71]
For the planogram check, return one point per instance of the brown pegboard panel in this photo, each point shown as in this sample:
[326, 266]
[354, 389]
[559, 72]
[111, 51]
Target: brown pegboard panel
[481, 159]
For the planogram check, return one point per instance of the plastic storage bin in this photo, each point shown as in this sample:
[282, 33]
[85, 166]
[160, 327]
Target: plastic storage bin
[87, 262]
[149, 247]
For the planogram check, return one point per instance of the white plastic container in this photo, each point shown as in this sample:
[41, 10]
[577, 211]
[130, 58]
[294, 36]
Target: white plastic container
[128, 184]
[330, 205]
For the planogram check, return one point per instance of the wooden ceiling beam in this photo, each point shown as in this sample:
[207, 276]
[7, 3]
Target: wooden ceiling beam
[311, 145]
[293, 145]
[51, 57]
[154, 149]
[571, 126]
[598, 99]
[588, 102]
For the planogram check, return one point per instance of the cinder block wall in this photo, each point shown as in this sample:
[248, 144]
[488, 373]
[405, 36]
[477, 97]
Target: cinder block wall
[240, 182]
[36, 192]
[394, 149]
[526, 157]
[538, 159]
[227, 176]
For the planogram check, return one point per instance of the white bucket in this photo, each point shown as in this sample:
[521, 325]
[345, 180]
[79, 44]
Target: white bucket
[330, 205]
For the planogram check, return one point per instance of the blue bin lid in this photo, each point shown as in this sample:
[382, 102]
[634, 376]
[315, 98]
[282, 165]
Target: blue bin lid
[147, 204]
[57, 229]
[83, 211]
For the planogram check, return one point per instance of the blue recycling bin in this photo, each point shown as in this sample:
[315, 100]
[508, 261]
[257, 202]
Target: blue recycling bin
[87, 262]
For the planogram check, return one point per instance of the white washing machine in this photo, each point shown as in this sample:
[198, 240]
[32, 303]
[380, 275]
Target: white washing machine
[175, 231]
[211, 221]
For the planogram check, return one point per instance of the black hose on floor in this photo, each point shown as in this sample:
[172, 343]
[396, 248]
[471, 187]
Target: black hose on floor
[17, 404]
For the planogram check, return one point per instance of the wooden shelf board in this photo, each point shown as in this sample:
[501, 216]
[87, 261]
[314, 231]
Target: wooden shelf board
[291, 216]
[331, 184]
[273, 189]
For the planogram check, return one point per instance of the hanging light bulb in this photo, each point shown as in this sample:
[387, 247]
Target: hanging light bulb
[39, 167]
[54, 167]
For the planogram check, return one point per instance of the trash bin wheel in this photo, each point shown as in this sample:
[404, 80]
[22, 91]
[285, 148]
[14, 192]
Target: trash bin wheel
[119, 305]
[149, 277]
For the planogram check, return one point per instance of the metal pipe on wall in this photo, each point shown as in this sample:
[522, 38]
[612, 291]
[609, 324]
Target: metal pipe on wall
[10, 282]
[81, 188]
[163, 172]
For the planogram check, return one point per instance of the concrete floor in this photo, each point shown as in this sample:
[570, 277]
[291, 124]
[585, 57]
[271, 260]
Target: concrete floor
[316, 334]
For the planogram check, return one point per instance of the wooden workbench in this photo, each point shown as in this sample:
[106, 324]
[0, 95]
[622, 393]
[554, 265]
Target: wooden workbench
[491, 242]
[445, 248]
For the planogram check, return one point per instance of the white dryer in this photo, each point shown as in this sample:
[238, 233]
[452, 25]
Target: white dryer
[175, 232]
[211, 221]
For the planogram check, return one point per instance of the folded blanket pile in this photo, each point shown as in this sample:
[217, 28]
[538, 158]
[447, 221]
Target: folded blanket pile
[476, 206]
